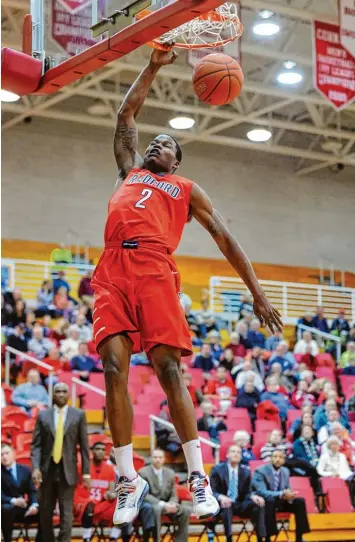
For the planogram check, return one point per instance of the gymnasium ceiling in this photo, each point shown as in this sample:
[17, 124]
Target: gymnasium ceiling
[304, 126]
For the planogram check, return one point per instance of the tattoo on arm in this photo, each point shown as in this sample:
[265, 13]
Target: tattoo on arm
[213, 227]
[125, 145]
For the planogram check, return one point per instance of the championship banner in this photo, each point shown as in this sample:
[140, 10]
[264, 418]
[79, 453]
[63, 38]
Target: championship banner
[347, 25]
[334, 67]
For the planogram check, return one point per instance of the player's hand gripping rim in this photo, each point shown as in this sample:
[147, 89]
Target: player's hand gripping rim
[267, 315]
[164, 55]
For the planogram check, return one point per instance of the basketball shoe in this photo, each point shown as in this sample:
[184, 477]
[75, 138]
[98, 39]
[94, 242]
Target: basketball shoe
[204, 503]
[130, 495]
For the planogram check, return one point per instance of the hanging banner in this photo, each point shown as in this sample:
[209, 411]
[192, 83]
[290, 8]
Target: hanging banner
[334, 67]
[347, 25]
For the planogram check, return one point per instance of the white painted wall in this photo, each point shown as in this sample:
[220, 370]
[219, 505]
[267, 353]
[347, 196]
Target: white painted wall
[59, 177]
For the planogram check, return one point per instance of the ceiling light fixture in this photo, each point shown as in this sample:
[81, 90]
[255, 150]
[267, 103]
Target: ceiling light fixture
[266, 29]
[289, 64]
[265, 13]
[182, 123]
[289, 78]
[6, 96]
[259, 135]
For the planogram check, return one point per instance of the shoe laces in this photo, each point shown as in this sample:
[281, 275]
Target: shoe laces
[125, 493]
[198, 487]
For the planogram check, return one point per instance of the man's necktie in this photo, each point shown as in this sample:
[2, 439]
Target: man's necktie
[276, 480]
[233, 490]
[12, 472]
[59, 437]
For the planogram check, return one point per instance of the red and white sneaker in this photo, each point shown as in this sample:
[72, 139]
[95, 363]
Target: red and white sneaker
[205, 505]
[130, 495]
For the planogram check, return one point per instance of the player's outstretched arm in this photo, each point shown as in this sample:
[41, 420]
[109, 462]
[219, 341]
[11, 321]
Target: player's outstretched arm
[202, 209]
[126, 135]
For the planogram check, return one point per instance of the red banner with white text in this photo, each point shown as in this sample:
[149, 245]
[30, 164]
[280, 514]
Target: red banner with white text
[334, 67]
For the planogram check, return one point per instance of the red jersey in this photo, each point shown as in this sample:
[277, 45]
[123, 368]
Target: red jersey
[150, 207]
[225, 389]
[101, 476]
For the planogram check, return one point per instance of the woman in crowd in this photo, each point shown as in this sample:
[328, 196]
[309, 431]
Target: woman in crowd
[306, 420]
[333, 463]
[242, 439]
[44, 299]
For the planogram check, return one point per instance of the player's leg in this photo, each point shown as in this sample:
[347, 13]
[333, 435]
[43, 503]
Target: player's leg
[115, 354]
[166, 362]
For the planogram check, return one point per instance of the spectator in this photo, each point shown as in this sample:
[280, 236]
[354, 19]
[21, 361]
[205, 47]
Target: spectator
[58, 334]
[246, 372]
[320, 322]
[44, 299]
[272, 482]
[249, 397]
[85, 331]
[210, 423]
[230, 482]
[196, 394]
[30, 321]
[340, 322]
[85, 291]
[206, 317]
[306, 320]
[221, 387]
[306, 345]
[6, 310]
[61, 301]
[163, 498]
[306, 447]
[331, 345]
[39, 345]
[306, 419]
[301, 395]
[338, 430]
[19, 501]
[185, 299]
[254, 336]
[273, 394]
[235, 345]
[228, 360]
[242, 330]
[351, 335]
[332, 462]
[193, 322]
[61, 282]
[275, 442]
[246, 306]
[83, 364]
[324, 431]
[70, 346]
[256, 357]
[322, 412]
[204, 360]
[216, 348]
[30, 394]
[272, 341]
[18, 315]
[242, 439]
[284, 358]
[54, 461]
[97, 505]
[47, 325]
[17, 339]
[285, 383]
[347, 360]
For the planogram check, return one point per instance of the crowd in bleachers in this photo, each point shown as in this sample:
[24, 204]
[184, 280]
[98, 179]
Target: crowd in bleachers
[259, 392]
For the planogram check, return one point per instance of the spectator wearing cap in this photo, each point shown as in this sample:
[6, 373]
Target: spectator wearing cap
[306, 345]
[320, 322]
[30, 394]
[204, 360]
[340, 322]
[70, 346]
[248, 397]
[83, 364]
[39, 344]
[254, 336]
[273, 394]
[242, 439]
[247, 371]
[239, 350]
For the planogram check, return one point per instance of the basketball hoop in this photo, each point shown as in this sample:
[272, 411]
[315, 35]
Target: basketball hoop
[213, 29]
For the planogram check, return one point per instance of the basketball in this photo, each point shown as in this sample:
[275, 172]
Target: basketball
[218, 79]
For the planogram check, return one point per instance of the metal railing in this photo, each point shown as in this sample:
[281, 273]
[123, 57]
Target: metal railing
[292, 299]
[76, 382]
[323, 334]
[9, 350]
[168, 425]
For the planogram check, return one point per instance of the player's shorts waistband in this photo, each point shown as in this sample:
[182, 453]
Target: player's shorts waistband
[134, 245]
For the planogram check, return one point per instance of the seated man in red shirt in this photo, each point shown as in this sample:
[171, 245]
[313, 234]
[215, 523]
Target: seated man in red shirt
[98, 505]
[221, 387]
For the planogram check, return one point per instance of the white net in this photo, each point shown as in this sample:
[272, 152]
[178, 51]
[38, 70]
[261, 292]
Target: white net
[216, 28]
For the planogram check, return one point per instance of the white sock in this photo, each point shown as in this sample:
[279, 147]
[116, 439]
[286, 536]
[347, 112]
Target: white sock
[193, 455]
[124, 461]
[87, 533]
[115, 532]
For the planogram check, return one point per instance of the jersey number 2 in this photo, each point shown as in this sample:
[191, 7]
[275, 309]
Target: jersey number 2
[146, 195]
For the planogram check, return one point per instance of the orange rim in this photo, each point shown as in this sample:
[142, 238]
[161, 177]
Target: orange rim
[209, 16]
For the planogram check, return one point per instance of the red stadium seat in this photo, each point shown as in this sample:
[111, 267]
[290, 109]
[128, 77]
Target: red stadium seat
[303, 486]
[265, 426]
[7, 392]
[183, 493]
[18, 418]
[237, 412]
[141, 424]
[347, 385]
[293, 415]
[239, 424]
[29, 425]
[207, 453]
[9, 430]
[198, 379]
[97, 380]
[10, 410]
[138, 461]
[325, 360]
[24, 458]
[23, 442]
[337, 496]
[255, 464]
[325, 372]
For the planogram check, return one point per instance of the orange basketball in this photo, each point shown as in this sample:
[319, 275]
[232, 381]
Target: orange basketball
[218, 79]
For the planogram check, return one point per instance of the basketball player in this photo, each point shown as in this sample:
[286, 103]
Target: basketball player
[137, 285]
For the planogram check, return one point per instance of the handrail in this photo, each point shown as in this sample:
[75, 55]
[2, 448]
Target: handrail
[9, 349]
[169, 425]
[321, 334]
[77, 381]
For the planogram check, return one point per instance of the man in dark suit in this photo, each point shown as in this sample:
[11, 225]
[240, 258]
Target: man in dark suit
[57, 433]
[272, 482]
[163, 499]
[16, 483]
[230, 482]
